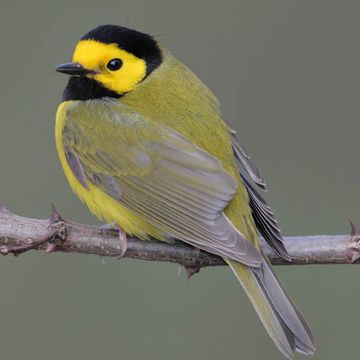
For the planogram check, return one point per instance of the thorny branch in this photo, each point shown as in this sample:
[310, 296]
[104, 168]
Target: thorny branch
[19, 234]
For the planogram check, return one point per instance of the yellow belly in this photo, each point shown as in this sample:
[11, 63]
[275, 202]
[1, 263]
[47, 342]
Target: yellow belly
[99, 203]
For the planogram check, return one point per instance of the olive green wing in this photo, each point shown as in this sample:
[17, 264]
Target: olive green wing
[263, 215]
[157, 174]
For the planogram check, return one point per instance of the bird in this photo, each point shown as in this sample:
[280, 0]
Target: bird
[143, 144]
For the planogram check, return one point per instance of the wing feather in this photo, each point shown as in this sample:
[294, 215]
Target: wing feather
[158, 175]
[265, 220]
[262, 213]
[244, 159]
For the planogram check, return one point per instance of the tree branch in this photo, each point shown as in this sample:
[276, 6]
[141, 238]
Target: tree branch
[19, 234]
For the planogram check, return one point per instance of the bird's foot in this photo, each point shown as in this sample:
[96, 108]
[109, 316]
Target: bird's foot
[123, 241]
[55, 234]
[352, 250]
[109, 227]
[122, 236]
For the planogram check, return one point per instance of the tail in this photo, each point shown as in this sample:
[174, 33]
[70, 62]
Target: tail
[282, 320]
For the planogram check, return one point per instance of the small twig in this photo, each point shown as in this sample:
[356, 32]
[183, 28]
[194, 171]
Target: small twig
[19, 234]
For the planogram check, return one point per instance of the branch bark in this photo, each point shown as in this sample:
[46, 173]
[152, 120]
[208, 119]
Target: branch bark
[19, 234]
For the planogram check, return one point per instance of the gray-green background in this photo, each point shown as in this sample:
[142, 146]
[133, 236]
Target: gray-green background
[287, 74]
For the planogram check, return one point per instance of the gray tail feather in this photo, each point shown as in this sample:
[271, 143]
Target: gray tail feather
[280, 316]
[292, 321]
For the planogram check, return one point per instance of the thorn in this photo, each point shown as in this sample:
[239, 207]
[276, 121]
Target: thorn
[352, 247]
[191, 270]
[354, 229]
[50, 247]
[194, 268]
[354, 257]
[55, 216]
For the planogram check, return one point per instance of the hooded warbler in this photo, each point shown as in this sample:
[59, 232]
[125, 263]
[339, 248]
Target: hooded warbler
[142, 142]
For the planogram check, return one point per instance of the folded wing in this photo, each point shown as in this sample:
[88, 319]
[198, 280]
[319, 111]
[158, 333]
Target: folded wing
[157, 174]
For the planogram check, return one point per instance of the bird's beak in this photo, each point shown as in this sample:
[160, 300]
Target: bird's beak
[74, 68]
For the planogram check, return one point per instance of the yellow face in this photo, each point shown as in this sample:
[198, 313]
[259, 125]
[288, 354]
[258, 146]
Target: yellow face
[114, 68]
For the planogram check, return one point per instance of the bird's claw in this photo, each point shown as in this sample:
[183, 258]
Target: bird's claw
[122, 236]
[123, 242]
[109, 227]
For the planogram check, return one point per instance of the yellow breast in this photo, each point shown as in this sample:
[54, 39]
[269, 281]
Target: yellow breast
[99, 203]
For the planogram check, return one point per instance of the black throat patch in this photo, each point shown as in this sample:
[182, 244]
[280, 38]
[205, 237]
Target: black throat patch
[83, 88]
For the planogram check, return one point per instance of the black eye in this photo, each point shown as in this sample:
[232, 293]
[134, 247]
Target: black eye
[114, 64]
